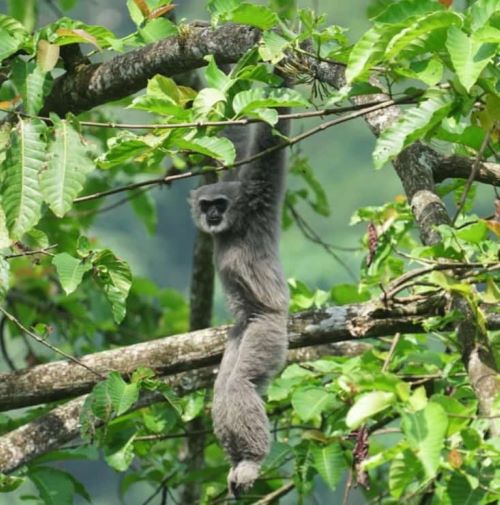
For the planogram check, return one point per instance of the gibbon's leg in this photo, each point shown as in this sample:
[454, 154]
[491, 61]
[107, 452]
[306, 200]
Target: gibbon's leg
[262, 352]
[219, 410]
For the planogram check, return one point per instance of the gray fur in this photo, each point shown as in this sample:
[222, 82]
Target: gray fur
[247, 260]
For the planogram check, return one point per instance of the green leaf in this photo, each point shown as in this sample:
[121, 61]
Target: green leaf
[115, 278]
[272, 48]
[4, 231]
[215, 77]
[69, 163]
[9, 483]
[157, 29]
[12, 36]
[205, 103]
[419, 30]
[121, 394]
[481, 11]
[425, 431]
[32, 83]
[405, 469]
[330, 463]
[460, 492]
[401, 11]
[255, 15]
[25, 11]
[21, 196]
[311, 402]
[342, 294]
[258, 98]
[468, 55]
[70, 270]
[125, 147]
[412, 126]
[121, 458]
[145, 209]
[55, 486]
[369, 50]
[367, 406]
[219, 148]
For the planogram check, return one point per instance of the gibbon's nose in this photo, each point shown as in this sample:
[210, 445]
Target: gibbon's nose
[214, 217]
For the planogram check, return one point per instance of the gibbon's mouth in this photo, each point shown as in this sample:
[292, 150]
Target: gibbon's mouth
[214, 221]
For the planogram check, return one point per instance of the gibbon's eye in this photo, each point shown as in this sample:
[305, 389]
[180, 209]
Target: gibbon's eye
[220, 204]
[204, 205]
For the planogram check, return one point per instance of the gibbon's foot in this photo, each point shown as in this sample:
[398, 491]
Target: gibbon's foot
[242, 477]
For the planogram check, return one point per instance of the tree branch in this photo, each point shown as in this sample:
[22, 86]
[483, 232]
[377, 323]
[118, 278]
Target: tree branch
[170, 355]
[62, 424]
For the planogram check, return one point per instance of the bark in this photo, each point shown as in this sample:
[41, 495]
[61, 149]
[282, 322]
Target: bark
[62, 424]
[59, 380]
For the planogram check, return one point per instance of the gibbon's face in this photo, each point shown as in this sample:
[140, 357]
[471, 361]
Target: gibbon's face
[212, 206]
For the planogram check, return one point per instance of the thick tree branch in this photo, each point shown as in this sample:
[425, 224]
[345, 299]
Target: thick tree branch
[461, 167]
[62, 424]
[127, 73]
[170, 355]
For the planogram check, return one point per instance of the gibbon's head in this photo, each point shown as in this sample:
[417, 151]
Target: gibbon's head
[214, 206]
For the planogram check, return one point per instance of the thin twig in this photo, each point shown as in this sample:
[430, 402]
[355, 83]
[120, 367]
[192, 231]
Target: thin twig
[42, 341]
[276, 495]
[31, 253]
[347, 489]
[313, 236]
[402, 282]
[224, 122]
[162, 485]
[192, 173]
[472, 176]
[394, 343]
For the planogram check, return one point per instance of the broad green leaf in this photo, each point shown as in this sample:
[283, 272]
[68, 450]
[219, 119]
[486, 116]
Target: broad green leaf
[258, 98]
[429, 71]
[367, 406]
[9, 483]
[68, 164]
[54, 486]
[21, 196]
[26, 12]
[12, 36]
[4, 231]
[369, 50]
[144, 207]
[206, 101]
[342, 294]
[32, 83]
[311, 402]
[481, 11]
[75, 32]
[157, 29]
[125, 147]
[4, 278]
[215, 77]
[219, 148]
[412, 126]
[330, 463]
[70, 270]
[454, 407]
[460, 492]
[255, 15]
[468, 55]
[121, 458]
[425, 431]
[122, 395]
[115, 278]
[272, 48]
[419, 30]
[405, 469]
[401, 11]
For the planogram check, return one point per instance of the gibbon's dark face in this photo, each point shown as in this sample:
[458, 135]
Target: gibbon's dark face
[212, 206]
